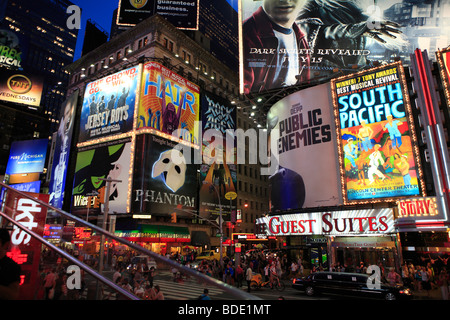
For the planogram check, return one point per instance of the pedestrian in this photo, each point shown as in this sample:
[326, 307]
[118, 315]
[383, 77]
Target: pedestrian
[49, 284]
[205, 295]
[239, 276]
[149, 293]
[158, 294]
[393, 277]
[443, 283]
[249, 275]
[9, 270]
[425, 280]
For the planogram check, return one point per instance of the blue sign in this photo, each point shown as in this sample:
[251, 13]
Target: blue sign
[34, 186]
[27, 156]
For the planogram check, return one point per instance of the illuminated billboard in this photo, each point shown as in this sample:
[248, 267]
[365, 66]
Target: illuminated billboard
[12, 47]
[109, 104]
[377, 142]
[168, 103]
[27, 156]
[20, 87]
[443, 58]
[306, 41]
[163, 180]
[182, 14]
[302, 130]
[219, 115]
[106, 160]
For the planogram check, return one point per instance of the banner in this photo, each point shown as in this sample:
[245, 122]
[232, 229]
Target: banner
[376, 138]
[62, 151]
[218, 114]
[106, 160]
[26, 250]
[336, 223]
[305, 144]
[163, 180]
[109, 104]
[182, 14]
[169, 102]
[21, 87]
[307, 41]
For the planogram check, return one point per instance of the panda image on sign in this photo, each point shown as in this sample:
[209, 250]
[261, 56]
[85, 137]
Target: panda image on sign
[171, 167]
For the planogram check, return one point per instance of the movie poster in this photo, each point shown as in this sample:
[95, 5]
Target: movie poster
[217, 175]
[106, 160]
[163, 178]
[108, 105]
[304, 145]
[62, 151]
[444, 67]
[300, 42]
[169, 103]
[377, 156]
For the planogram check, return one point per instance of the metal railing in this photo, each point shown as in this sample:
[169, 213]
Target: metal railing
[6, 213]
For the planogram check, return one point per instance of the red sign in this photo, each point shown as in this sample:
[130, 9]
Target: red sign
[25, 249]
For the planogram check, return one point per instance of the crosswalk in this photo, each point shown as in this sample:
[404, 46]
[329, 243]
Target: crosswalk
[188, 290]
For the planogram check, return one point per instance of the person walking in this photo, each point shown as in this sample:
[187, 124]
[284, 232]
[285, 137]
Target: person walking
[248, 275]
[443, 283]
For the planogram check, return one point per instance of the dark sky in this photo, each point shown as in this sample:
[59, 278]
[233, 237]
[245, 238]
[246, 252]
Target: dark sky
[100, 12]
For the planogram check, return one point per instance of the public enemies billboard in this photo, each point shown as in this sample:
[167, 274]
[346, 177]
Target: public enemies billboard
[163, 178]
[101, 161]
[304, 144]
[376, 136]
[284, 44]
[108, 105]
[168, 103]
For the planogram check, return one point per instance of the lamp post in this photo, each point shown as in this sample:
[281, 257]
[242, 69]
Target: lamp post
[220, 223]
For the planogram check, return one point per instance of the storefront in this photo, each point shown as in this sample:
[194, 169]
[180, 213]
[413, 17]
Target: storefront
[338, 238]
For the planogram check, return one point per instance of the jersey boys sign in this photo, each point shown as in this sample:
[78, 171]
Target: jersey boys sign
[335, 223]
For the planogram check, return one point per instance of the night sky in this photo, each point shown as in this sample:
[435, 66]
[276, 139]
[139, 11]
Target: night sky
[101, 13]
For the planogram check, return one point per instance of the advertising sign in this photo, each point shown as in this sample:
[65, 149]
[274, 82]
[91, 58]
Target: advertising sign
[106, 160]
[33, 187]
[62, 151]
[169, 102]
[20, 87]
[26, 250]
[11, 50]
[219, 115]
[162, 179]
[182, 14]
[377, 150]
[109, 104]
[306, 151]
[27, 156]
[337, 223]
[443, 58]
[421, 208]
[306, 41]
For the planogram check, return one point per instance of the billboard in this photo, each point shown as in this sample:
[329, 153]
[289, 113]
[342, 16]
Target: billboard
[182, 14]
[288, 44]
[219, 115]
[377, 141]
[27, 156]
[443, 58]
[305, 147]
[109, 104]
[162, 178]
[62, 150]
[12, 47]
[106, 160]
[168, 102]
[20, 87]
[336, 223]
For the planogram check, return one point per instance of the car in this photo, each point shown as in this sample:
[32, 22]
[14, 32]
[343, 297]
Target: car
[349, 284]
[142, 260]
[210, 255]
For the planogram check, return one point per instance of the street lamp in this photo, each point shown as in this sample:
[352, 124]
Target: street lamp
[220, 223]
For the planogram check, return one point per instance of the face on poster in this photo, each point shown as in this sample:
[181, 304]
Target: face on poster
[220, 115]
[162, 178]
[106, 160]
[295, 42]
[108, 105]
[169, 102]
[378, 159]
[306, 151]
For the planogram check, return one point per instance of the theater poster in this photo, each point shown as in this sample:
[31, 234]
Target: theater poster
[377, 142]
[101, 161]
[109, 104]
[304, 145]
[443, 57]
[217, 174]
[314, 40]
[168, 103]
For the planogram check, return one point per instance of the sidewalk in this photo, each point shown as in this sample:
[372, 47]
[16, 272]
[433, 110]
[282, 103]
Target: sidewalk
[434, 294]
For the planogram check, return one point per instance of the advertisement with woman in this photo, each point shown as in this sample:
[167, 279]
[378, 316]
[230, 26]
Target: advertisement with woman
[377, 140]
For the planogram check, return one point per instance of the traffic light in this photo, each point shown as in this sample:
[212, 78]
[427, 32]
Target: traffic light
[173, 217]
[101, 194]
[96, 202]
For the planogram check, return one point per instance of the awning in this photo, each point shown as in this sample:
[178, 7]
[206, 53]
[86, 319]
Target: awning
[199, 238]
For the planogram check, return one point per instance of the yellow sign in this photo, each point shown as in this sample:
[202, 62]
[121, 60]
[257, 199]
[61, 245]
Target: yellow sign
[417, 207]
